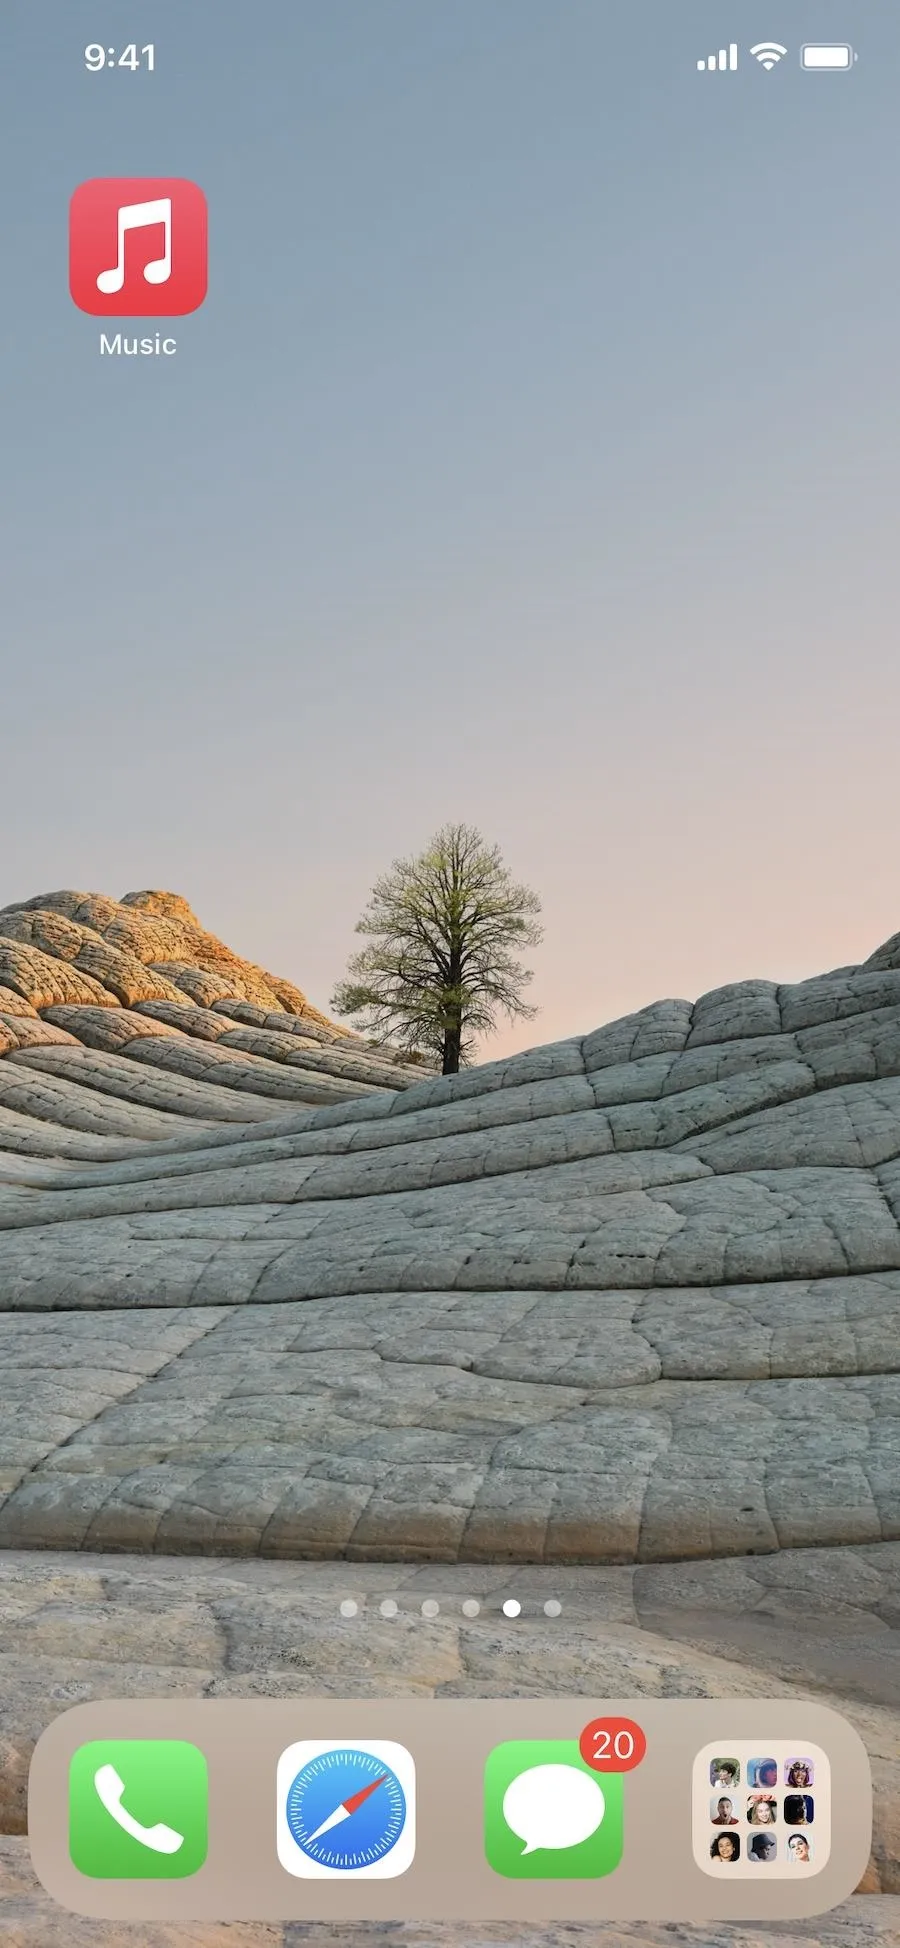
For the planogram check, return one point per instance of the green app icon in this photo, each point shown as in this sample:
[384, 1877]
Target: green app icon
[138, 1809]
[547, 1815]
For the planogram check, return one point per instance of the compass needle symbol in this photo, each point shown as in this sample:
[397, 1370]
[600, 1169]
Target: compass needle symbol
[346, 1810]
[348, 1806]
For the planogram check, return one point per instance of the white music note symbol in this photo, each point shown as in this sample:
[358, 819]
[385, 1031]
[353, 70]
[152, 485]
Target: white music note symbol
[138, 216]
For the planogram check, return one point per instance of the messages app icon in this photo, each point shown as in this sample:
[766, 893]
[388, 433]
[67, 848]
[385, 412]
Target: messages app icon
[138, 1809]
[547, 1815]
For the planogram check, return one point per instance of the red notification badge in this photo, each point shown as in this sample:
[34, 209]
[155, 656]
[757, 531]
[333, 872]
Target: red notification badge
[612, 1745]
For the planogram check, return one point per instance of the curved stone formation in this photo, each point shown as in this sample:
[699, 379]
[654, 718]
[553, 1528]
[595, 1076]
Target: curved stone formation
[265, 1292]
[629, 1298]
[90, 986]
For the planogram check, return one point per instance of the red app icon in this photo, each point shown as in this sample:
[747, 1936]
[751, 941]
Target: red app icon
[137, 246]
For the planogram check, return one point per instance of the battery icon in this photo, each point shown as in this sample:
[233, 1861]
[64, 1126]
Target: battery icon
[827, 57]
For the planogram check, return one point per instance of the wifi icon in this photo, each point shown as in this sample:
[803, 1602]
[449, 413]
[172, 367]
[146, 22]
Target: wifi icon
[768, 53]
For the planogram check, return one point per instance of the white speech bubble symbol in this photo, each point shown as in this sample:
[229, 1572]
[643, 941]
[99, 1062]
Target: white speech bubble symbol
[553, 1806]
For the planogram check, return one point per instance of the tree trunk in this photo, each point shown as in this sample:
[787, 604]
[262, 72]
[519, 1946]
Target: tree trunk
[452, 1045]
[453, 1013]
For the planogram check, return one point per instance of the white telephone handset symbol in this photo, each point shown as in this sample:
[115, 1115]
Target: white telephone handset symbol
[161, 1838]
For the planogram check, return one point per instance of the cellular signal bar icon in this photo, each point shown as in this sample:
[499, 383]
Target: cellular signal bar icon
[720, 63]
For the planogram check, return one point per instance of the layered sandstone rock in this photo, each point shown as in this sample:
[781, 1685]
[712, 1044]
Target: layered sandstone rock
[632, 1299]
[141, 979]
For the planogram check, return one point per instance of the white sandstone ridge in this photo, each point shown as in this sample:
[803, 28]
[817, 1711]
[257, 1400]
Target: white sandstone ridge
[630, 1301]
[139, 980]
[631, 1297]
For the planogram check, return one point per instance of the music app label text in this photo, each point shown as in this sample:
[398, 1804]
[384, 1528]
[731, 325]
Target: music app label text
[138, 247]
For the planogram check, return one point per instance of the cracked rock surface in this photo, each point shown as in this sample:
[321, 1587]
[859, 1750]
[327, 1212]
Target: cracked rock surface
[811, 1623]
[623, 1307]
[628, 1298]
[28, 1920]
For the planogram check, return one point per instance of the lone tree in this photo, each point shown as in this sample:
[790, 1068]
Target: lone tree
[443, 932]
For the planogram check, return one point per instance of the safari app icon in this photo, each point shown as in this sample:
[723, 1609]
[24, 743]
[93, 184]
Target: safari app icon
[138, 247]
[547, 1815]
[346, 1810]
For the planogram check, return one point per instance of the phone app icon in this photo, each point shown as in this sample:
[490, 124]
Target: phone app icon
[138, 246]
[346, 1811]
[138, 1809]
[547, 1815]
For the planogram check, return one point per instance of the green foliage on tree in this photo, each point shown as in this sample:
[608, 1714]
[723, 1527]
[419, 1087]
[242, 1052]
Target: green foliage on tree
[444, 932]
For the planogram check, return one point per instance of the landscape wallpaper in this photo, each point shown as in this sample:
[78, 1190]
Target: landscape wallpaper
[532, 464]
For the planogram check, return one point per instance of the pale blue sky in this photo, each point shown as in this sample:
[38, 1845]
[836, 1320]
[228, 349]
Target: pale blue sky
[534, 461]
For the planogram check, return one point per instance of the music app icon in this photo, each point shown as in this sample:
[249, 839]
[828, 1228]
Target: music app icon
[137, 246]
